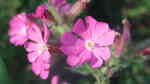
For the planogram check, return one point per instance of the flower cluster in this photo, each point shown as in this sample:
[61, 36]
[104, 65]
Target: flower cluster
[24, 32]
[87, 42]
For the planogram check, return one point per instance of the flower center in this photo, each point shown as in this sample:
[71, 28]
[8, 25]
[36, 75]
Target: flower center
[23, 31]
[42, 48]
[89, 44]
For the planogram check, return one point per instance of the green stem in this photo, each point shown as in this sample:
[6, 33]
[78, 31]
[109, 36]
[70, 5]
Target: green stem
[98, 79]
[95, 74]
[55, 14]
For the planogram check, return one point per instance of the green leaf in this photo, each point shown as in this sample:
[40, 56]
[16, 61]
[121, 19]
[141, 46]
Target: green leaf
[4, 77]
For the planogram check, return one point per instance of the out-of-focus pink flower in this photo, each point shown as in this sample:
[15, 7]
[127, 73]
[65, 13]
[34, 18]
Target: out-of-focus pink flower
[88, 42]
[55, 79]
[123, 39]
[77, 8]
[145, 51]
[118, 45]
[64, 83]
[126, 30]
[19, 25]
[42, 12]
[61, 6]
[37, 49]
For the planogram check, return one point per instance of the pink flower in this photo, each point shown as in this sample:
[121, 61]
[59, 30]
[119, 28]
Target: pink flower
[88, 42]
[64, 83]
[37, 49]
[42, 12]
[145, 51]
[19, 25]
[56, 80]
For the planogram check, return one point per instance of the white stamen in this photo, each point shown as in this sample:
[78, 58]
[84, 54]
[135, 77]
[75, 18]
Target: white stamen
[41, 48]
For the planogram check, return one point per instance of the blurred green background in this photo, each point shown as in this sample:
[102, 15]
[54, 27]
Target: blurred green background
[13, 62]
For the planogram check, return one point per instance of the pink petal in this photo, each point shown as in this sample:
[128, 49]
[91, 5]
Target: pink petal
[34, 33]
[79, 59]
[19, 18]
[55, 79]
[46, 33]
[67, 50]
[32, 56]
[102, 53]
[73, 49]
[46, 66]
[18, 24]
[90, 22]
[80, 28]
[106, 39]
[30, 46]
[96, 63]
[40, 10]
[36, 68]
[44, 74]
[45, 57]
[99, 30]
[68, 39]
[18, 29]
[18, 40]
